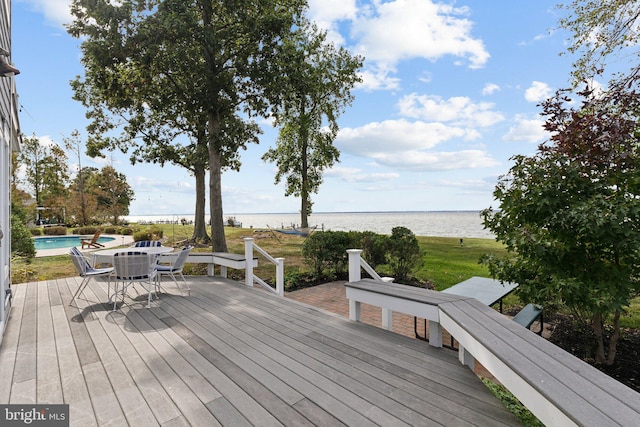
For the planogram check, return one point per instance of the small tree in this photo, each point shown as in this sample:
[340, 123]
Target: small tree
[313, 87]
[404, 252]
[570, 214]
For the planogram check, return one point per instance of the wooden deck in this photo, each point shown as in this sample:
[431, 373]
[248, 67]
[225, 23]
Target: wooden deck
[226, 355]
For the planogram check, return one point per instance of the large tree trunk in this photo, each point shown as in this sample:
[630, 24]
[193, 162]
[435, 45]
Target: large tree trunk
[218, 239]
[200, 225]
[305, 207]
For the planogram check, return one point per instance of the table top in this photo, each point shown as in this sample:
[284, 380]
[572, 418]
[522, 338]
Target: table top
[487, 291]
[147, 250]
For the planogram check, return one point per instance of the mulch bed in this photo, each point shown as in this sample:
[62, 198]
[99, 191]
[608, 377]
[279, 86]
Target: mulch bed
[578, 340]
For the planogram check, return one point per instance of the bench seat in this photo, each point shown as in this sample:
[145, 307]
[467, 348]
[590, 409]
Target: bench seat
[560, 389]
[529, 314]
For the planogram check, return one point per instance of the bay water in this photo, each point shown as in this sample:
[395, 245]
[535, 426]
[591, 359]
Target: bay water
[458, 224]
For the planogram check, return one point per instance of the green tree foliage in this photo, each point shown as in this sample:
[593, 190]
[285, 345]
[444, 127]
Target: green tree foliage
[46, 175]
[21, 241]
[403, 252]
[598, 29]
[570, 214]
[314, 86]
[191, 66]
[83, 201]
[114, 194]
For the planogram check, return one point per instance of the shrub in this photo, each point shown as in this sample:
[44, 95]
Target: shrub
[404, 252]
[151, 233]
[374, 248]
[35, 231]
[327, 250]
[21, 241]
[142, 235]
[86, 230]
[55, 231]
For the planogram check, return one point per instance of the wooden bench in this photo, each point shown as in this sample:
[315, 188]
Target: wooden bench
[392, 297]
[529, 314]
[560, 389]
[223, 259]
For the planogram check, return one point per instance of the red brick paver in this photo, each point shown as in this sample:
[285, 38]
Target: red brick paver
[333, 297]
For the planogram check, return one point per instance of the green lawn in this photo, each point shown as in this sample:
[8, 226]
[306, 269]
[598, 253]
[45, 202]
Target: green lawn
[445, 261]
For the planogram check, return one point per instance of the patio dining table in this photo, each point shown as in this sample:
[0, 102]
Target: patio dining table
[486, 290]
[105, 256]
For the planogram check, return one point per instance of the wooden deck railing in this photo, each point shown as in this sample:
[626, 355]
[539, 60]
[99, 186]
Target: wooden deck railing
[558, 388]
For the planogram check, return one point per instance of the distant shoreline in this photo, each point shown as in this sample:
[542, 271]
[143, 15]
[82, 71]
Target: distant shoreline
[458, 224]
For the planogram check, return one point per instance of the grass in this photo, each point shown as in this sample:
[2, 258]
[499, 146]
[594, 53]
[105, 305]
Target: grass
[445, 261]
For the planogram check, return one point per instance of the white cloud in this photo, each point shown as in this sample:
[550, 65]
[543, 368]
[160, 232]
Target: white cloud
[490, 89]
[538, 92]
[459, 110]
[57, 12]
[379, 78]
[358, 175]
[527, 130]
[436, 161]
[409, 145]
[404, 29]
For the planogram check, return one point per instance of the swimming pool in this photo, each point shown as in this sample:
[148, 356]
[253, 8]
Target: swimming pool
[60, 242]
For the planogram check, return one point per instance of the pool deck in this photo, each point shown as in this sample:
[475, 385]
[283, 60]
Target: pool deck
[119, 240]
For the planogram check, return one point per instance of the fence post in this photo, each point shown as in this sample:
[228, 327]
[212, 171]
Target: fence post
[354, 264]
[248, 260]
[280, 276]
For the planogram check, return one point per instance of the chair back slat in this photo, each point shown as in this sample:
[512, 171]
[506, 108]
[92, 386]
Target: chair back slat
[134, 265]
[182, 257]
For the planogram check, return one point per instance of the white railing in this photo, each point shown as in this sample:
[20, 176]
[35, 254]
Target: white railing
[543, 377]
[356, 262]
[249, 246]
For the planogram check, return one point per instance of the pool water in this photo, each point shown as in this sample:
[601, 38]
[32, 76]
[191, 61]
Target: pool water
[60, 242]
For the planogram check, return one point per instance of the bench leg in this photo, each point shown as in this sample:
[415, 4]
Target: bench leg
[211, 269]
[387, 319]
[465, 357]
[223, 271]
[435, 334]
[354, 310]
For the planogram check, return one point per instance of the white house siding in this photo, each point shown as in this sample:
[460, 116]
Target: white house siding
[9, 131]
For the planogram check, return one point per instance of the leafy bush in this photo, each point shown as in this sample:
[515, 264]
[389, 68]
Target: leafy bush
[21, 241]
[151, 233]
[35, 231]
[327, 250]
[403, 253]
[55, 231]
[86, 230]
[374, 248]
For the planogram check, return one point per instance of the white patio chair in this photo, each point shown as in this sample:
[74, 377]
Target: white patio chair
[86, 271]
[131, 267]
[174, 269]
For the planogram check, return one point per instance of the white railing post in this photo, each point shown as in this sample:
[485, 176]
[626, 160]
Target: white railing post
[354, 264]
[280, 276]
[248, 256]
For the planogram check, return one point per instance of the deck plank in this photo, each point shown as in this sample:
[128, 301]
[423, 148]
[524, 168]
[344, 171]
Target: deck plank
[49, 386]
[414, 390]
[227, 355]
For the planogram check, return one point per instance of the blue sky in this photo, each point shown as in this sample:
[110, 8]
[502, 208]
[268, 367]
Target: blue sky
[449, 94]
